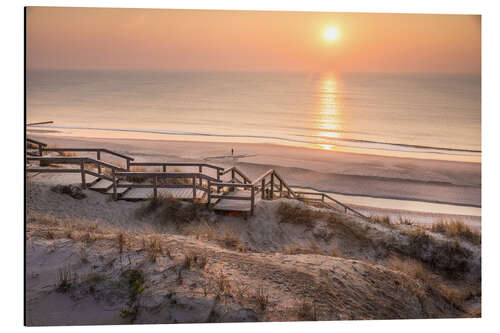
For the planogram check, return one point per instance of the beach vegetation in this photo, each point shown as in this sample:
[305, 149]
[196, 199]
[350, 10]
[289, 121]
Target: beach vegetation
[135, 283]
[457, 229]
[66, 277]
[297, 214]
[262, 298]
[307, 311]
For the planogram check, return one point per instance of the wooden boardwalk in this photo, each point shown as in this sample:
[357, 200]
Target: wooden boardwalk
[147, 193]
[235, 205]
[238, 194]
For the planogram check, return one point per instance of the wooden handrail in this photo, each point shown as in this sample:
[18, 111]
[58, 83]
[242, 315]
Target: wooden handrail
[289, 189]
[264, 175]
[239, 172]
[73, 160]
[36, 142]
[324, 195]
[158, 174]
[193, 164]
[221, 184]
[94, 150]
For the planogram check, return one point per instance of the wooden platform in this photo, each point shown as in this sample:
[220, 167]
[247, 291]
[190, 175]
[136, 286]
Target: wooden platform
[235, 205]
[102, 185]
[62, 178]
[147, 193]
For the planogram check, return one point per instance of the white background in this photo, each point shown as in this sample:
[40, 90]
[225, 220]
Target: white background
[12, 177]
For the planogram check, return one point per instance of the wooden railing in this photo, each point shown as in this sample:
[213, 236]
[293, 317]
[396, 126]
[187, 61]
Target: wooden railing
[39, 144]
[323, 199]
[194, 178]
[164, 166]
[267, 184]
[220, 185]
[236, 172]
[268, 189]
[98, 152]
[80, 161]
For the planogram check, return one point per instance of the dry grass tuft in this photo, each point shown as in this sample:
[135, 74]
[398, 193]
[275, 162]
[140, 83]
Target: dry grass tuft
[170, 209]
[222, 283]
[384, 220]
[152, 245]
[66, 278]
[405, 221]
[229, 238]
[191, 259]
[297, 214]
[434, 284]
[307, 311]
[262, 298]
[46, 220]
[457, 229]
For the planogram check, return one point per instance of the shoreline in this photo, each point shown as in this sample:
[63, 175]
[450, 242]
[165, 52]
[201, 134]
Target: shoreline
[428, 152]
[371, 176]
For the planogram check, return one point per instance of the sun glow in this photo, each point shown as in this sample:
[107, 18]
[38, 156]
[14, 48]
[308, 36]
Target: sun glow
[328, 120]
[331, 34]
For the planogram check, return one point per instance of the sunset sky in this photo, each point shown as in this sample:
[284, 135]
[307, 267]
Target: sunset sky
[91, 38]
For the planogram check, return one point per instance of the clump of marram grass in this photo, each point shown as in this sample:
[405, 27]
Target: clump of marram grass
[222, 283]
[135, 282]
[457, 229]
[169, 209]
[191, 259]
[447, 256]
[457, 296]
[152, 245]
[66, 278]
[307, 311]
[384, 220]
[298, 214]
[405, 221]
[262, 298]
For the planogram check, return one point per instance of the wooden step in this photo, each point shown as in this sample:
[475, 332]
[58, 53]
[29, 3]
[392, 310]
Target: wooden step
[119, 190]
[229, 205]
[102, 185]
[147, 193]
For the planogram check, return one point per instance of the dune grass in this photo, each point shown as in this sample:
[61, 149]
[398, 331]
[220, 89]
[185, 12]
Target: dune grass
[457, 229]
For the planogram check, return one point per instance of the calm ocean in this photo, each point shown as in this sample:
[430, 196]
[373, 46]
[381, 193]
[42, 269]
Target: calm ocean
[426, 115]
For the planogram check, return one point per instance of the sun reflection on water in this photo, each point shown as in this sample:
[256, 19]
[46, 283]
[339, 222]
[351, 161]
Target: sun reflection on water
[328, 121]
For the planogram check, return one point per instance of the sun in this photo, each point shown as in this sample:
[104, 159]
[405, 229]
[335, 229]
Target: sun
[331, 33]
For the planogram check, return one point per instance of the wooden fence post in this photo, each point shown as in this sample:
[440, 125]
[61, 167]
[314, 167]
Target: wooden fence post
[232, 179]
[82, 167]
[272, 186]
[262, 188]
[194, 187]
[164, 168]
[209, 193]
[128, 164]
[115, 195]
[155, 189]
[252, 200]
[40, 150]
[218, 180]
[281, 188]
[98, 165]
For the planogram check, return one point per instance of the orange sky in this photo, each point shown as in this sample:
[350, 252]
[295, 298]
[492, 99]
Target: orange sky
[92, 38]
